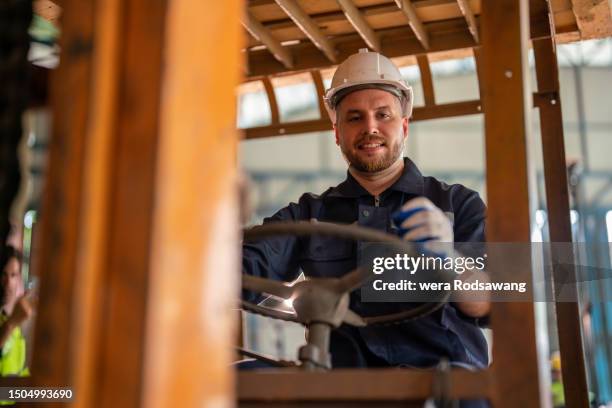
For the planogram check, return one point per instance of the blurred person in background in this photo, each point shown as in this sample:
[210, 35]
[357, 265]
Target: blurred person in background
[16, 310]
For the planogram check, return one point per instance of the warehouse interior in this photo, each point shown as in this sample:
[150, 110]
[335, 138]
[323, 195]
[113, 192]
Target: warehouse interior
[133, 130]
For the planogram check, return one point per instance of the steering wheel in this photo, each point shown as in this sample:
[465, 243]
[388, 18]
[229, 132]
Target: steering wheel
[321, 304]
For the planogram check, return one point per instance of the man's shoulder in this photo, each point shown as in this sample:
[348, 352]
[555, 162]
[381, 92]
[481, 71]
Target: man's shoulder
[454, 195]
[306, 206]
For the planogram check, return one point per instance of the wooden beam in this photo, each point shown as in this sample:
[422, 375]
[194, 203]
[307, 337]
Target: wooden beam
[357, 386]
[396, 42]
[320, 88]
[128, 257]
[267, 83]
[415, 23]
[594, 18]
[559, 225]
[361, 26]
[70, 99]
[464, 6]
[309, 27]
[426, 80]
[478, 63]
[321, 125]
[261, 33]
[191, 316]
[509, 203]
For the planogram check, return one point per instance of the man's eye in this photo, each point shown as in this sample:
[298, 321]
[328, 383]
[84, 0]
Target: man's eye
[353, 118]
[384, 115]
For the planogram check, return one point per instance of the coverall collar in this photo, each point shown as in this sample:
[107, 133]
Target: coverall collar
[410, 182]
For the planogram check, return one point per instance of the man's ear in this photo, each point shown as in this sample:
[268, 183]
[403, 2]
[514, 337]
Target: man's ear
[336, 134]
[405, 126]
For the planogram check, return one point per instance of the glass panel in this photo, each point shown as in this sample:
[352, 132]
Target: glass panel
[253, 105]
[296, 97]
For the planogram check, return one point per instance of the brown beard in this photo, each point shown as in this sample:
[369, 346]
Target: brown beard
[375, 164]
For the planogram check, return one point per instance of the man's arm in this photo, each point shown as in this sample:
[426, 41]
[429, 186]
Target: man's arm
[435, 226]
[21, 312]
[276, 257]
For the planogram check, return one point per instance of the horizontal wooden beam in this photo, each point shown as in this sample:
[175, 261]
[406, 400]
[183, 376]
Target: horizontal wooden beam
[414, 22]
[321, 125]
[309, 27]
[261, 33]
[464, 6]
[421, 113]
[357, 385]
[361, 26]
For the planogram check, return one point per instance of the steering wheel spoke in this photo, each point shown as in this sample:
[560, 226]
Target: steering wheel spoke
[354, 319]
[268, 286]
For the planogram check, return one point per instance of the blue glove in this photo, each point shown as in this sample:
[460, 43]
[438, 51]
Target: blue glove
[400, 216]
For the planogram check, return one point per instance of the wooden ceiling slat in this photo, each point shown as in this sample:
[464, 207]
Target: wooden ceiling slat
[267, 83]
[257, 30]
[361, 26]
[317, 79]
[414, 22]
[396, 42]
[594, 18]
[378, 17]
[469, 18]
[309, 27]
[426, 80]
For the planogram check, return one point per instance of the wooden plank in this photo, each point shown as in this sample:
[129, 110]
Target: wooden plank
[361, 26]
[353, 385]
[271, 100]
[414, 22]
[426, 80]
[126, 265]
[324, 124]
[94, 222]
[56, 265]
[309, 27]
[262, 34]
[396, 42]
[110, 240]
[464, 6]
[195, 256]
[594, 18]
[320, 88]
[478, 63]
[559, 224]
[508, 198]
[428, 10]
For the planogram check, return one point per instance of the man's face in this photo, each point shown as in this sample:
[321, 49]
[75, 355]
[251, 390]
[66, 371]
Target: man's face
[370, 129]
[12, 284]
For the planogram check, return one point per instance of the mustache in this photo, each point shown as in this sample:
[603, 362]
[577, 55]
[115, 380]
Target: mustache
[370, 139]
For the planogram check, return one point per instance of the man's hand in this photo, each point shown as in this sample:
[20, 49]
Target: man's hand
[21, 312]
[428, 224]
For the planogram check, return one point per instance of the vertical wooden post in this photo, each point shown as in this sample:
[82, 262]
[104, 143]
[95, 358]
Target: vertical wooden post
[559, 224]
[195, 247]
[139, 254]
[507, 102]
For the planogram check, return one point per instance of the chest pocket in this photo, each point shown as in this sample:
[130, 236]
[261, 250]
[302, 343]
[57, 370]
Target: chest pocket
[327, 257]
[317, 248]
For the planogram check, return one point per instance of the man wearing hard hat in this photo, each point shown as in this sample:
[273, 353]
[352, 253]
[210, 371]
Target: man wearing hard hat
[369, 105]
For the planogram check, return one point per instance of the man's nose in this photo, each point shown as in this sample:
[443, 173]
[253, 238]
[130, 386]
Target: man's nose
[371, 125]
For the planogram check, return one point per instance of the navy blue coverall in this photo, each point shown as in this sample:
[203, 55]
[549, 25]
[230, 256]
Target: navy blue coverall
[420, 343]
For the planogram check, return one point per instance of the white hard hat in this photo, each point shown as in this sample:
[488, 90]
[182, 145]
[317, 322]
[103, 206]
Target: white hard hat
[367, 70]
